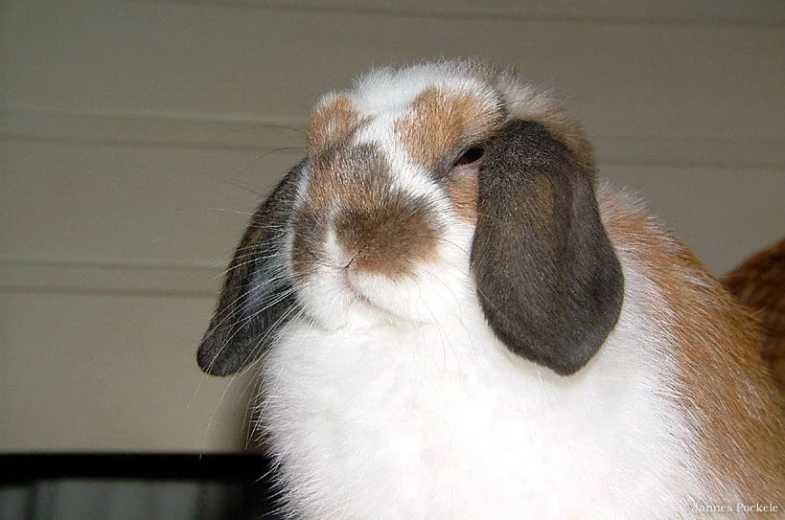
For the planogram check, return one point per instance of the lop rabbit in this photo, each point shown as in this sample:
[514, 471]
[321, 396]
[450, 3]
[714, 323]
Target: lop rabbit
[453, 318]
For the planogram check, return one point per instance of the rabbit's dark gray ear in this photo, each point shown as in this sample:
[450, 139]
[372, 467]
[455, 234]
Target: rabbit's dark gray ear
[547, 275]
[257, 299]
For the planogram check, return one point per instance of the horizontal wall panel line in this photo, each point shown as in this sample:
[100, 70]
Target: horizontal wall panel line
[109, 278]
[151, 129]
[273, 135]
[565, 11]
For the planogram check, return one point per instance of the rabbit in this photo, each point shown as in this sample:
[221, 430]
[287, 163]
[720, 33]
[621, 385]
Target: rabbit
[453, 317]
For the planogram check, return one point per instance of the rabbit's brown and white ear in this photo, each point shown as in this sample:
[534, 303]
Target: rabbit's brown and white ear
[257, 297]
[547, 275]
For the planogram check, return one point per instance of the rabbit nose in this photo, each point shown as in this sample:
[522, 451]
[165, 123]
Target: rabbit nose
[389, 240]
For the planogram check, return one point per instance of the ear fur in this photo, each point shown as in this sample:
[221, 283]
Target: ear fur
[547, 276]
[257, 298]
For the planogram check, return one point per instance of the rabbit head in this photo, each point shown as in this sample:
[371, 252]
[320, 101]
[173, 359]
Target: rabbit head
[453, 181]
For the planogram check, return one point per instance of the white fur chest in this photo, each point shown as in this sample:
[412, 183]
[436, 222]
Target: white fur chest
[442, 422]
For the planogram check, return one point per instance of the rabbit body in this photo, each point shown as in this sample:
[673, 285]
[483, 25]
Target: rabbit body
[455, 320]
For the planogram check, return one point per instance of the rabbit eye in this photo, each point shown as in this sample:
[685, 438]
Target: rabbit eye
[470, 156]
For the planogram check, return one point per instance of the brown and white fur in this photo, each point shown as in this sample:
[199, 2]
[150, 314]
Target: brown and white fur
[455, 320]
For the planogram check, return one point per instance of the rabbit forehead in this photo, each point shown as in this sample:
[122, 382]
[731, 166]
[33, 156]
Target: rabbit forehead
[391, 90]
[426, 110]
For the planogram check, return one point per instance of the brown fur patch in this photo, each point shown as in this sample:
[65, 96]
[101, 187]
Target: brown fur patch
[759, 283]
[389, 239]
[384, 231]
[439, 122]
[333, 121]
[464, 192]
[727, 392]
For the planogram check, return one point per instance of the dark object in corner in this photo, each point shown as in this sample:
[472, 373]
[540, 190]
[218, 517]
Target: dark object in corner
[236, 486]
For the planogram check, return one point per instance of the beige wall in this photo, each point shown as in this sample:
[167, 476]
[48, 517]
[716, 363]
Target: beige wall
[135, 137]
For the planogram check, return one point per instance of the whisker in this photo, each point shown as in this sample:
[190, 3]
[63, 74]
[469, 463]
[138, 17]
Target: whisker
[242, 186]
[235, 301]
[252, 256]
[265, 155]
[233, 211]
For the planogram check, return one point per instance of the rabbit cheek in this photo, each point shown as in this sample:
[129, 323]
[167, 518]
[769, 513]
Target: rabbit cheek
[463, 193]
[319, 285]
[309, 234]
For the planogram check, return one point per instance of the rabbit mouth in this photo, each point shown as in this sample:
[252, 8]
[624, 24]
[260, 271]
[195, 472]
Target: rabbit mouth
[411, 300]
[348, 285]
[340, 298]
[370, 294]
